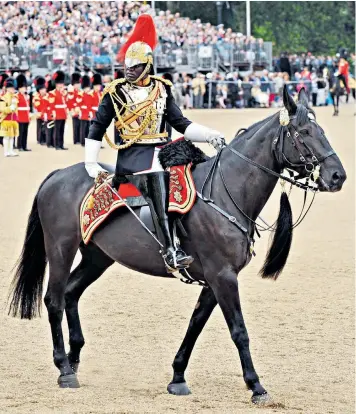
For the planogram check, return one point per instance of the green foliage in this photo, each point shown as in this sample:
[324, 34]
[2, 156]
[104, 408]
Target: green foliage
[321, 27]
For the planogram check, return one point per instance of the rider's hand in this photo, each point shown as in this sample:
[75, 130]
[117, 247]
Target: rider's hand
[216, 139]
[12, 107]
[93, 169]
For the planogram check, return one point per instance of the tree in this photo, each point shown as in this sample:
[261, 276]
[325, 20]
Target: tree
[321, 27]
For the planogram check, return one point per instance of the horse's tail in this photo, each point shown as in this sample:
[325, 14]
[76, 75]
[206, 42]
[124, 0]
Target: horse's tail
[279, 250]
[30, 268]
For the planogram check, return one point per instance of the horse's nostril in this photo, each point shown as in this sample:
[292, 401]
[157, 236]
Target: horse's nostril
[336, 177]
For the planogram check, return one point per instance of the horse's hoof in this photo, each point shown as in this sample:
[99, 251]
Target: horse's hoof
[178, 388]
[75, 366]
[261, 399]
[68, 381]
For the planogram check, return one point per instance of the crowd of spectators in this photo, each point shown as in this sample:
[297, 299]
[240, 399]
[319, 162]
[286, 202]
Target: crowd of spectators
[99, 28]
[258, 89]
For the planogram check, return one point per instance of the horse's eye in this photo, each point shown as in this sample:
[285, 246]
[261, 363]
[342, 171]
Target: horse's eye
[305, 132]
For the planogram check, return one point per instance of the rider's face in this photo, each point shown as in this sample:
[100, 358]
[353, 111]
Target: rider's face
[134, 72]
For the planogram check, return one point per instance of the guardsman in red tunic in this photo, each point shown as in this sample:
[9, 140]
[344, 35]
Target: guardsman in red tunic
[9, 127]
[85, 105]
[48, 115]
[97, 92]
[57, 100]
[72, 104]
[344, 72]
[40, 104]
[23, 112]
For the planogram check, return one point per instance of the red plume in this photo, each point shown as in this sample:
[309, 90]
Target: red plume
[144, 31]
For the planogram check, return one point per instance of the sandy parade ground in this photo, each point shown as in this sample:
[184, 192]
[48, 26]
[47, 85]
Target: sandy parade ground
[301, 327]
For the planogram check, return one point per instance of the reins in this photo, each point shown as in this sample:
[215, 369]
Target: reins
[308, 160]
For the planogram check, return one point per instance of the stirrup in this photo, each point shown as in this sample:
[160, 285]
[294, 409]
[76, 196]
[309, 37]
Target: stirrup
[175, 266]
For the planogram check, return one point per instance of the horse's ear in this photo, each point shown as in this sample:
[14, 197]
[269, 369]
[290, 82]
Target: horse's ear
[288, 101]
[303, 98]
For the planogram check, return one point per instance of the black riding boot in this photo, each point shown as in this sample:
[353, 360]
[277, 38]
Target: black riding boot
[155, 189]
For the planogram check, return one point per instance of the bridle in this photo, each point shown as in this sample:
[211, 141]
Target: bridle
[308, 160]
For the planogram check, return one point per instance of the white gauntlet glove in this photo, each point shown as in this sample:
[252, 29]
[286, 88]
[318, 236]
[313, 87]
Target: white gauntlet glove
[92, 149]
[200, 133]
[12, 107]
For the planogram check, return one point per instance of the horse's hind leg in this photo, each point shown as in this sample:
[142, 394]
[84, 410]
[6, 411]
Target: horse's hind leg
[93, 264]
[60, 257]
[205, 305]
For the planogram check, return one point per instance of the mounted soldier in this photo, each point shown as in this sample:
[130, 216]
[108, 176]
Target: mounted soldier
[142, 105]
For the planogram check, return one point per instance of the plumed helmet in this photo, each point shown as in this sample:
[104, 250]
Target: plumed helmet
[21, 81]
[75, 78]
[140, 45]
[97, 79]
[40, 83]
[85, 81]
[58, 77]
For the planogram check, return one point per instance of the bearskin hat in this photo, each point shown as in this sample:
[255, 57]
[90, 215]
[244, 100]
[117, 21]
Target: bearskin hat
[40, 83]
[119, 74]
[50, 86]
[96, 80]
[75, 78]
[9, 83]
[21, 81]
[85, 81]
[168, 76]
[3, 78]
[144, 31]
[58, 77]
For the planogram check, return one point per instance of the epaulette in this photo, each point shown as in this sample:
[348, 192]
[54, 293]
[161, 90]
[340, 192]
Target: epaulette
[91, 93]
[80, 93]
[112, 86]
[165, 81]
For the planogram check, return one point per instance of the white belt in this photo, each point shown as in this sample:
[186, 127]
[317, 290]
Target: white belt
[23, 108]
[84, 107]
[60, 106]
[95, 108]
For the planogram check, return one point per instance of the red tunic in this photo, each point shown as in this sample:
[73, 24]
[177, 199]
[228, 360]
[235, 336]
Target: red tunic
[72, 102]
[58, 105]
[40, 103]
[85, 106]
[344, 70]
[96, 98]
[23, 109]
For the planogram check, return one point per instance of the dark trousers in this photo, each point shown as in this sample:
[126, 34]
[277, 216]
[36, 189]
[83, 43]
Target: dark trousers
[49, 136]
[41, 133]
[76, 130]
[84, 130]
[23, 132]
[59, 132]
[314, 98]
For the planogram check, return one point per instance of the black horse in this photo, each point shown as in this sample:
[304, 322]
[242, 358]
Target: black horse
[337, 86]
[245, 176]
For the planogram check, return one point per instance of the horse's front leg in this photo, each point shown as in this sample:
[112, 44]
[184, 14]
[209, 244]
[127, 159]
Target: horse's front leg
[205, 305]
[226, 290]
